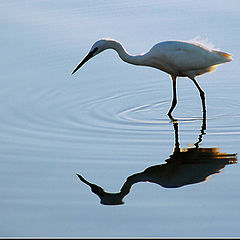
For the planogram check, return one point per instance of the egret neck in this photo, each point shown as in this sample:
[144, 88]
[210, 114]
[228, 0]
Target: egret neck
[124, 55]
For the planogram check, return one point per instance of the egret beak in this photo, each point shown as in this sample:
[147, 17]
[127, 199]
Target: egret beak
[90, 55]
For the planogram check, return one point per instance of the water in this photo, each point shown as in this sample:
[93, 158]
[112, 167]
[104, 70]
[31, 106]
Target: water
[108, 123]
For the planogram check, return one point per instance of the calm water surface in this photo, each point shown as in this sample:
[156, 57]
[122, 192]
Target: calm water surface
[108, 123]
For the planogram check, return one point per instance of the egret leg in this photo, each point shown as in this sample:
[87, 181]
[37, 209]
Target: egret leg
[174, 100]
[202, 95]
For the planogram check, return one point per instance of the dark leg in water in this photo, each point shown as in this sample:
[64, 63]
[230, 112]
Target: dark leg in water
[174, 100]
[202, 95]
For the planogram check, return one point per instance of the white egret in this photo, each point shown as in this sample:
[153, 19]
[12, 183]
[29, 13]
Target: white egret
[177, 58]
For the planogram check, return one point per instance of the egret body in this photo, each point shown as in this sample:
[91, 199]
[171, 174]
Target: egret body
[177, 58]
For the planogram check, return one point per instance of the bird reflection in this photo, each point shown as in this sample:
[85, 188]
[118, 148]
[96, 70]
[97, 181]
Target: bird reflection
[183, 167]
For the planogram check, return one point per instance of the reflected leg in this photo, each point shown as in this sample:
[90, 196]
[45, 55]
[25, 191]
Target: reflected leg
[177, 145]
[202, 132]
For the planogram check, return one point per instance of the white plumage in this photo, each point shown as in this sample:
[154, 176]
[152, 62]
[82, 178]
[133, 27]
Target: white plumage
[180, 58]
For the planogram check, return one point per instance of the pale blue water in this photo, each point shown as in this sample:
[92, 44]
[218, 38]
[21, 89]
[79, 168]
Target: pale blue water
[108, 122]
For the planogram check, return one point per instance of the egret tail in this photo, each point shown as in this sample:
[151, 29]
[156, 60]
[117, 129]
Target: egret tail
[225, 57]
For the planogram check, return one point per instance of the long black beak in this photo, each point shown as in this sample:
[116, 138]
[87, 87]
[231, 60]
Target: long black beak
[90, 55]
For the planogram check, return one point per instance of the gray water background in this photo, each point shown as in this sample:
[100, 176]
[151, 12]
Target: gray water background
[108, 121]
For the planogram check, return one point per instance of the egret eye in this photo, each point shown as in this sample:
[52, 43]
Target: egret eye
[95, 50]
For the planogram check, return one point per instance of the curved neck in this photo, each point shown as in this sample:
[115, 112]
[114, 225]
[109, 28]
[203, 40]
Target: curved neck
[135, 178]
[124, 55]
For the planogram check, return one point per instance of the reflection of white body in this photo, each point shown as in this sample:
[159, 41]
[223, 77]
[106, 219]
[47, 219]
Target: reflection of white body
[194, 165]
[187, 166]
[178, 176]
[178, 58]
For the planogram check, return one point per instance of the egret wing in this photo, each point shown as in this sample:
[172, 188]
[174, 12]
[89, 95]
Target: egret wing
[186, 56]
[181, 57]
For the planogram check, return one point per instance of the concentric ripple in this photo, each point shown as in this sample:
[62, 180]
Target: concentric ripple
[67, 112]
[125, 111]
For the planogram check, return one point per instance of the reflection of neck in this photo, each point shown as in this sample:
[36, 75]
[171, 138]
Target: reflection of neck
[135, 178]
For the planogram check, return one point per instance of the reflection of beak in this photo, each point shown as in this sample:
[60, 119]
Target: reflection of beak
[83, 179]
[90, 55]
[95, 189]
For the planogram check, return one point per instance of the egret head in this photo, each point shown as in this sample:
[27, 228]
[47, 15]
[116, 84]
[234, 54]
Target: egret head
[97, 47]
